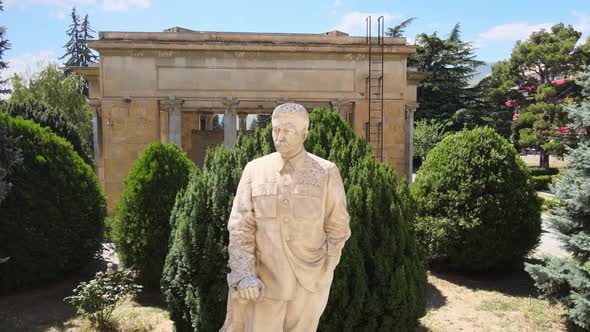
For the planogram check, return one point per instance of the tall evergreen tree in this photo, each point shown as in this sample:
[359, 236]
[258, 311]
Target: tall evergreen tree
[452, 63]
[4, 46]
[398, 30]
[86, 54]
[73, 45]
[567, 280]
[77, 51]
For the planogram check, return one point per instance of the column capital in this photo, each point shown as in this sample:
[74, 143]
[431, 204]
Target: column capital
[171, 104]
[343, 108]
[230, 104]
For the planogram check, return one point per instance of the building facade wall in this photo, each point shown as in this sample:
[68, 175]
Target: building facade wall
[136, 80]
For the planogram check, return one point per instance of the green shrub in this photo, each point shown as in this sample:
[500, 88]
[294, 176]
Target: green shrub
[52, 219]
[10, 156]
[380, 282]
[476, 209]
[58, 122]
[537, 171]
[98, 298]
[541, 182]
[141, 226]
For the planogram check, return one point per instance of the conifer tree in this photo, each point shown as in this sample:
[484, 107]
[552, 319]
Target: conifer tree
[567, 280]
[4, 46]
[73, 45]
[86, 54]
[77, 51]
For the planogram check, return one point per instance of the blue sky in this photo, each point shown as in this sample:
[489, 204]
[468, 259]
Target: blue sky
[36, 28]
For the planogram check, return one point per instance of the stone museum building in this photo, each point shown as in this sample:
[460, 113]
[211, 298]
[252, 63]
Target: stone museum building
[170, 86]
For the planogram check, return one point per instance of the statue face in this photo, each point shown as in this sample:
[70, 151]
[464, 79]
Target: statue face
[288, 135]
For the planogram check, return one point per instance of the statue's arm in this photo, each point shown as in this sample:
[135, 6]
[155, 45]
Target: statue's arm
[336, 224]
[241, 226]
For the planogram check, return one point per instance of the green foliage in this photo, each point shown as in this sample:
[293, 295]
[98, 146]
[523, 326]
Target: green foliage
[567, 280]
[10, 156]
[427, 134]
[380, 271]
[141, 226]
[398, 30]
[541, 182]
[536, 171]
[77, 51]
[451, 63]
[476, 209]
[99, 297]
[61, 92]
[47, 116]
[4, 46]
[52, 219]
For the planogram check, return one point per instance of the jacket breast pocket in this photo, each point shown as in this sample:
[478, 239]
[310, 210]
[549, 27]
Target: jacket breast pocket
[264, 196]
[308, 202]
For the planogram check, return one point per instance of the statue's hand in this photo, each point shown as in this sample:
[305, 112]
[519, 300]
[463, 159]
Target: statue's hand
[250, 289]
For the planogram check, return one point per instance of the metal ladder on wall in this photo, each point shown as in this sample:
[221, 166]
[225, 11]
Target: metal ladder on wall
[374, 128]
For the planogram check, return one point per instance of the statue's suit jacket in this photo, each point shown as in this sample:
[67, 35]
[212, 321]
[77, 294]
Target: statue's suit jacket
[287, 217]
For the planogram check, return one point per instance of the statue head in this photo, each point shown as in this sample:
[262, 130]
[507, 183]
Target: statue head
[290, 123]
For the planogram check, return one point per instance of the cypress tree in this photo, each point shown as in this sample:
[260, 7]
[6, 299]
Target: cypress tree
[567, 279]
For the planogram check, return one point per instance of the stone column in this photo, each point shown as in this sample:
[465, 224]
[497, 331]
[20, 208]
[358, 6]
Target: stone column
[174, 108]
[243, 117]
[343, 108]
[96, 131]
[230, 130]
[410, 110]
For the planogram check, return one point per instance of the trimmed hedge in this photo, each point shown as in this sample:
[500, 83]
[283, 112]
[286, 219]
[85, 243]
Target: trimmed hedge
[141, 227]
[52, 218]
[476, 207]
[541, 182]
[46, 116]
[380, 282]
[538, 171]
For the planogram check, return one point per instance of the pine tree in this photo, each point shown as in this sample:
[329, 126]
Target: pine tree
[567, 280]
[4, 46]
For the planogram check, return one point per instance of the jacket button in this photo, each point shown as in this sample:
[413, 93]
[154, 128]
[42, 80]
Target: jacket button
[285, 201]
[286, 219]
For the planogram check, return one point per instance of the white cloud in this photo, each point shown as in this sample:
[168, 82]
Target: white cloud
[583, 24]
[124, 5]
[512, 31]
[354, 23]
[29, 63]
[59, 8]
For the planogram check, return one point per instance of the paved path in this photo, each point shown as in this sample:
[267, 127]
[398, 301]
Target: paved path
[550, 244]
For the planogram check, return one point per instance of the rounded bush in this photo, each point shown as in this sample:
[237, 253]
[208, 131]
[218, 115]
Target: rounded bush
[47, 116]
[141, 226]
[52, 218]
[380, 282]
[476, 207]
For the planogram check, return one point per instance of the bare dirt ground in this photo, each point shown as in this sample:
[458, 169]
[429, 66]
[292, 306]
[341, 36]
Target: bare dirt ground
[455, 303]
[488, 303]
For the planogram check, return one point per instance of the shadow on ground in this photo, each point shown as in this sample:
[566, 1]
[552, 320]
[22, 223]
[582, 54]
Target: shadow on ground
[39, 308]
[516, 282]
[434, 298]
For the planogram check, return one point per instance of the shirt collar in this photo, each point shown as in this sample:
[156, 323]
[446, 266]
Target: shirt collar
[296, 161]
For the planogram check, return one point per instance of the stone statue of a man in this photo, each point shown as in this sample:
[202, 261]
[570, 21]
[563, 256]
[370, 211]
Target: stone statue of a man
[287, 227]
